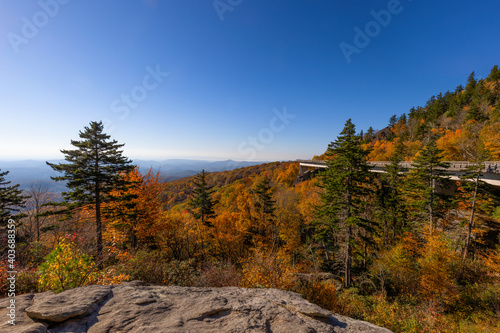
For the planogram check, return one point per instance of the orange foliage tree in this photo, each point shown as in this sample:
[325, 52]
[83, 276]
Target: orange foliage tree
[175, 233]
[382, 151]
[289, 221]
[490, 135]
[229, 234]
[132, 218]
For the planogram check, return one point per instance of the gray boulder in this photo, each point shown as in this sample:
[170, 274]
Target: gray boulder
[137, 307]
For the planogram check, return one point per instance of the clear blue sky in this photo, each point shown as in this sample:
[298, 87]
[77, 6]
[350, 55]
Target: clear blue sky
[231, 69]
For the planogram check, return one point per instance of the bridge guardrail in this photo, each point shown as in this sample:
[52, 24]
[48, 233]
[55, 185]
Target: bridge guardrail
[489, 166]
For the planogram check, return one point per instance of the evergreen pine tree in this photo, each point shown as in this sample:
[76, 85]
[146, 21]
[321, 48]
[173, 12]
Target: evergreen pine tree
[92, 170]
[11, 198]
[471, 82]
[265, 207]
[469, 89]
[369, 134]
[494, 74]
[402, 119]
[474, 112]
[390, 197]
[429, 172]
[392, 122]
[202, 201]
[346, 183]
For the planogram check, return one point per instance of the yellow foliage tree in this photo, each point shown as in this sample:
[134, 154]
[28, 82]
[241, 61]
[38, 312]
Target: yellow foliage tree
[490, 135]
[451, 144]
[492, 262]
[175, 233]
[66, 267]
[382, 151]
[268, 270]
[289, 220]
[288, 176]
[396, 268]
[229, 236]
[437, 284]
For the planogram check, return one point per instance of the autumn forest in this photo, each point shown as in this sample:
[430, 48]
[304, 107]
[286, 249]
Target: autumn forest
[409, 249]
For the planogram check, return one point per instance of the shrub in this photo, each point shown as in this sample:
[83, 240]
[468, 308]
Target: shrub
[110, 276]
[66, 267]
[322, 293]
[156, 268]
[268, 270]
[27, 280]
[393, 315]
[351, 304]
[222, 274]
[33, 254]
[4, 283]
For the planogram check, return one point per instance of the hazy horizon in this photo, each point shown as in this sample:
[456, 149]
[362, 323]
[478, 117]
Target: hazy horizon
[166, 159]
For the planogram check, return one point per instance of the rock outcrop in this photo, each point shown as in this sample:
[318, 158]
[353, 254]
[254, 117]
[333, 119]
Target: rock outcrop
[137, 307]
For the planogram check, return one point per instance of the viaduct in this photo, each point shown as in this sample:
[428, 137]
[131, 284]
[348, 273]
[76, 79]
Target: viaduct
[490, 173]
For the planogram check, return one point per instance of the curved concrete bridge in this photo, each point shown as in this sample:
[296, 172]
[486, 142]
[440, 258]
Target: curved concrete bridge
[490, 173]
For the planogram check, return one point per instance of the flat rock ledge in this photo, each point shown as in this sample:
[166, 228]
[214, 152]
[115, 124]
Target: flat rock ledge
[138, 307]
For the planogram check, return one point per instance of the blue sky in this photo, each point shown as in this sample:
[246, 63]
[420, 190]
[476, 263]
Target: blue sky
[239, 79]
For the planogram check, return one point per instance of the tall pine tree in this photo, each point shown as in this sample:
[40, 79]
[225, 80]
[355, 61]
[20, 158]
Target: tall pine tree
[265, 207]
[391, 202]
[428, 173]
[346, 182]
[92, 171]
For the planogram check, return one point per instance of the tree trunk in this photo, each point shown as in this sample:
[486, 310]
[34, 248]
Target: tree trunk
[386, 232]
[134, 240]
[471, 219]
[98, 210]
[37, 223]
[431, 201]
[365, 252]
[348, 263]
[394, 226]
[98, 224]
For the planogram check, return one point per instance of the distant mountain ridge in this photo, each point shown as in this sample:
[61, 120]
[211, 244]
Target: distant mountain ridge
[25, 172]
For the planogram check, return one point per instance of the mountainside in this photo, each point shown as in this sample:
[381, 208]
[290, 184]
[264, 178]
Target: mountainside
[177, 191]
[465, 123]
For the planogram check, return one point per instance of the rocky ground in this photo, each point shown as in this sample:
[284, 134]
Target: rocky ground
[137, 307]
